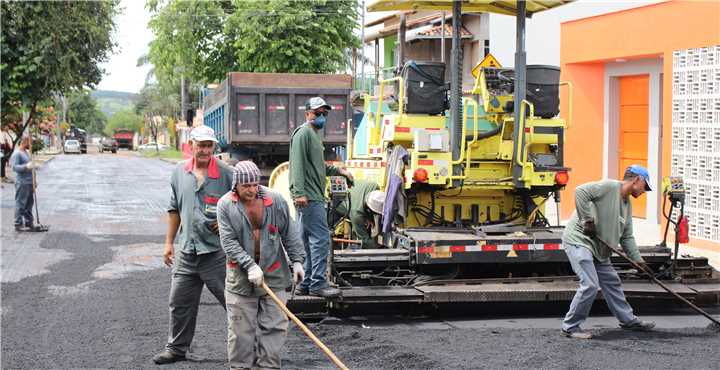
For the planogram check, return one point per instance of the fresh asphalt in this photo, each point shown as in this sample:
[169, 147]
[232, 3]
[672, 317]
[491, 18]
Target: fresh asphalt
[92, 293]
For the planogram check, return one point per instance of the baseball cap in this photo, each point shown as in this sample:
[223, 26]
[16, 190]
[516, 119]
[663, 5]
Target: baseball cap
[315, 103]
[203, 133]
[638, 170]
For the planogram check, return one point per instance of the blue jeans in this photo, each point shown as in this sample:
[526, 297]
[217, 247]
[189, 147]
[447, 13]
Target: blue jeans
[316, 237]
[593, 275]
[23, 204]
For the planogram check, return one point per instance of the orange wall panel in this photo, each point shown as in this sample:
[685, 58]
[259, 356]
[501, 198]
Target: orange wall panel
[584, 139]
[643, 31]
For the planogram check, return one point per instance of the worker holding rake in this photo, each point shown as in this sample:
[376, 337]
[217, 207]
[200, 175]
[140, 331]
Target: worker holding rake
[603, 214]
[261, 242]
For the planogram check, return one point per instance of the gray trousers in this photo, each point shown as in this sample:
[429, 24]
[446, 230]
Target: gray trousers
[23, 204]
[593, 275]
[190, 273]
[257, 329]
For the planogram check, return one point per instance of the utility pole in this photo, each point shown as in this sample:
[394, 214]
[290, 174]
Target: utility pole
[59, 120]
[362, 45]
[442, 37]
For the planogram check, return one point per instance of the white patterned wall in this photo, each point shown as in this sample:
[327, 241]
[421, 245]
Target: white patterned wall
[696, 136]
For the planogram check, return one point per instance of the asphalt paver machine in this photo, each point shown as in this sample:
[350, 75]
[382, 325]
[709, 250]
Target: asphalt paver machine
[468, 183]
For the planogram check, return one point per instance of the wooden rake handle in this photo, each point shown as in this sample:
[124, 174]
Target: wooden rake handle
[304, 328]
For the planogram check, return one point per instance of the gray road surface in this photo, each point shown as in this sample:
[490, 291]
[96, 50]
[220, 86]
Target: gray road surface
[92, 293]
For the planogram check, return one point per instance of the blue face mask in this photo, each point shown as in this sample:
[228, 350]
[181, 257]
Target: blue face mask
[319, 122]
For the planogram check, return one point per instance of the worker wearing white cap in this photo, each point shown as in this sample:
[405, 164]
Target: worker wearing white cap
[196, 187]
[308, 173]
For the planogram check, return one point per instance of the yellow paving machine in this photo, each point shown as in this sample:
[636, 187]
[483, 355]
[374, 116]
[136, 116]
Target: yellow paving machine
[467, 181]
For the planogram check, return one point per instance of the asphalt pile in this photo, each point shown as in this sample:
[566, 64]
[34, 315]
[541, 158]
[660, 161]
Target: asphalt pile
[404, 347]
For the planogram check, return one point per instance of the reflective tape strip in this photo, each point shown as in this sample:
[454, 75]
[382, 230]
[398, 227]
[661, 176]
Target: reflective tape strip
[365, 164]
[491, 248]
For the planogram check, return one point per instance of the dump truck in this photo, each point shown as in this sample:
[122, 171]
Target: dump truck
[472, 176]
[254, 114]
[124, 138]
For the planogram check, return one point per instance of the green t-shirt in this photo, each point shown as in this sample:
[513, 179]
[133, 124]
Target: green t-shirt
[358, 214]
[308, 170]
[602, 202]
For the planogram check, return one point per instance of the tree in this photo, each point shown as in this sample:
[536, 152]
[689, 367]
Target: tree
[155, 107]
[297, 36]
[84, 112]
[205, 40]
[123, 119]
[190, 39]
[51, 48]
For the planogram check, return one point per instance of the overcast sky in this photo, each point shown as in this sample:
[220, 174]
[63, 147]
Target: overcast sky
[132, 36]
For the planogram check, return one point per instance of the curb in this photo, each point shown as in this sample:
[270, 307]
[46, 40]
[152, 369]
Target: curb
[168, 160]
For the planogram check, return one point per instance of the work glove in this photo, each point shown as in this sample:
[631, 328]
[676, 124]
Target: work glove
[255, 275]
[298, 272]
[31, 165]
[589, 228]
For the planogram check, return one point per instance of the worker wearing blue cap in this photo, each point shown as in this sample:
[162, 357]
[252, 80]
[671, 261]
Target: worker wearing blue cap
[603, 213]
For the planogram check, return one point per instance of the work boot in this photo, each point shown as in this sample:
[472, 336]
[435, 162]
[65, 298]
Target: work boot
[301, 291]
[167, 357]
[21, 228]
[639, 325]
[327, 292]
[577, 334]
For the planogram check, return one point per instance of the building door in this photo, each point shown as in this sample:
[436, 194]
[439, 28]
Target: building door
[633, 140]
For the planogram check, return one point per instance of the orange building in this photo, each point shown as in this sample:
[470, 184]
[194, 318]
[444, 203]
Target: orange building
[647, 90]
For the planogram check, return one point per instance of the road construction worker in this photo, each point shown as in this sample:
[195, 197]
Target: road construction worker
[260, 240]
[363, 202]
[197, 185]
[24, 188]
[603, 214]
[308, 172]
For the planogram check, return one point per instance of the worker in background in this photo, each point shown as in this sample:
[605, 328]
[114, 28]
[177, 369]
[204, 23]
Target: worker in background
[603, 213]
[24, 187]
[363, 202]
[196, 187]
[257, 233]
[308, 172]
[6, 150]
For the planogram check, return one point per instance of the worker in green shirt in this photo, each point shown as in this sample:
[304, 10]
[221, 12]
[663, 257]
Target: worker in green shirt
[363, 202]
[308, 172]
[603, 212]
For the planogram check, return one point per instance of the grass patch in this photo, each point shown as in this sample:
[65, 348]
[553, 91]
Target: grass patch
[169, 154]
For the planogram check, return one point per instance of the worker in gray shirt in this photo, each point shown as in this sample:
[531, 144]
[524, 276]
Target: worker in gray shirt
[259, 238]
[197, 185]
[24, 188]
[603, 214]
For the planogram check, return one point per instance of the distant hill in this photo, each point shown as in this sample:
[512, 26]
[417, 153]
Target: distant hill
[114, 101]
